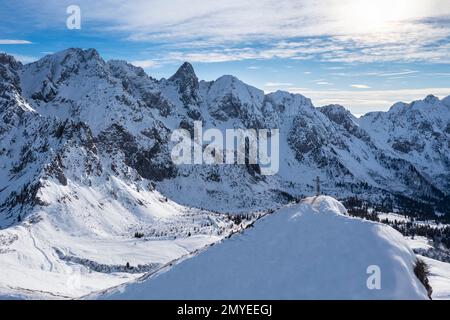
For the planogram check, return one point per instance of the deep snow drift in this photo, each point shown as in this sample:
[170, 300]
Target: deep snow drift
[307, 251]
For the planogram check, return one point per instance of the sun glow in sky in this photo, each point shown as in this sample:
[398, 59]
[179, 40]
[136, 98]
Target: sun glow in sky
[369, 16]
[364, 54]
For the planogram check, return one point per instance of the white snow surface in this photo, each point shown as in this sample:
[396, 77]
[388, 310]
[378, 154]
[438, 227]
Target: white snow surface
[311, 250]
[439, 278]
[100, 233]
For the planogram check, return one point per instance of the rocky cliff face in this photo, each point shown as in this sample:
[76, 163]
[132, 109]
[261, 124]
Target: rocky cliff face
[417, 132]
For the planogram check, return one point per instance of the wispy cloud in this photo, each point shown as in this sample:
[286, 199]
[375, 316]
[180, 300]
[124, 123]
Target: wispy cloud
[324, 83]
[400, 73]
[13, 41]
[359, 86]
[329, 30]
[363, 101]
[387, 32]
[278, 84]
[329, 49]
[439, 74]
[335, 68]
[145, 63]
[214, 55]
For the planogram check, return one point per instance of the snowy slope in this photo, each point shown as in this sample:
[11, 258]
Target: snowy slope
[439, 278]
[79, 246]
[306, 251]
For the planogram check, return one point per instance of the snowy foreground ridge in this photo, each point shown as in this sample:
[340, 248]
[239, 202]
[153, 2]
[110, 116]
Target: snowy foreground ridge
[307, 251]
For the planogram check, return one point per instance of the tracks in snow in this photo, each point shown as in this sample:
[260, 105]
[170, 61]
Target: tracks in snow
[40, 250]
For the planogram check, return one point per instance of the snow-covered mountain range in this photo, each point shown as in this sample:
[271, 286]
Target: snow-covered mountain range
[85, 154]
[71, 116]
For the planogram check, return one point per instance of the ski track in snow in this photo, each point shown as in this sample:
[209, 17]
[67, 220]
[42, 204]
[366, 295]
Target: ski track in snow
[33, 239]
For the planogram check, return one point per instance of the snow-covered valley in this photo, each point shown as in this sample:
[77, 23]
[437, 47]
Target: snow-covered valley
[44, 257]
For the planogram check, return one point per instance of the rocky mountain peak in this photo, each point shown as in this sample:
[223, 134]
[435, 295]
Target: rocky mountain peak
[336, 112]
[185, 73]
[41, 80]
[345, 119]
[431, 99]
[121, 68]
[446, 101]
[188, 86]
[9, 79]
[81, 54]
[8, 60]
[70, 58]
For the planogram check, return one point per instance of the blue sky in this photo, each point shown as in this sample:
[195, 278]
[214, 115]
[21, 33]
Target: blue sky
[363, 54]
